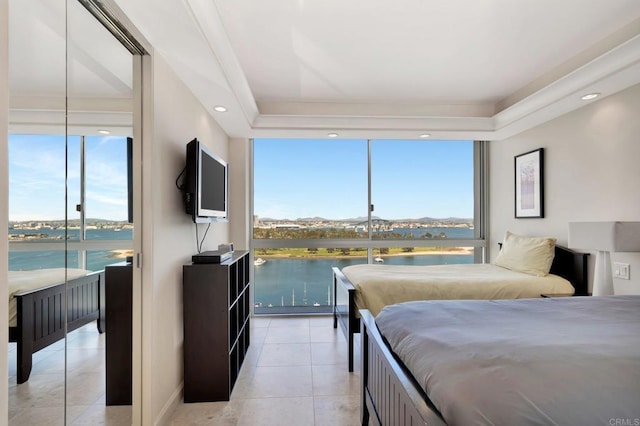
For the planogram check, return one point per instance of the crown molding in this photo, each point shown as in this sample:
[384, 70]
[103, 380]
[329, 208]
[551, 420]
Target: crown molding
[609, 73]
[207, 17]
[615, 70]
[84, 116]
[371, 126]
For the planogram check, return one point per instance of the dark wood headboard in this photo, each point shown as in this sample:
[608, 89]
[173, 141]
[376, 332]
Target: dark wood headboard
[573, 267]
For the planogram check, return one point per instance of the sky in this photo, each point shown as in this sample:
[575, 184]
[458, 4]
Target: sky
[37, 177]
[296, 178]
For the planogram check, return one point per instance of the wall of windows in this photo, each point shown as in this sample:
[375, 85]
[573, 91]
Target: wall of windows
[323, 203]
[92, 218]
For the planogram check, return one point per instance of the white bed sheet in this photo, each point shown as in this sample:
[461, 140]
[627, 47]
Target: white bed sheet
[558, 361]
[381, 285]
[20, 281]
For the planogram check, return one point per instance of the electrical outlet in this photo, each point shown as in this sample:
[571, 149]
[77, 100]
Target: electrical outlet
[621, 270]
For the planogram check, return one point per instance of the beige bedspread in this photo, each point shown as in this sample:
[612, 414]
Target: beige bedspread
[380, 285]
[20, 281]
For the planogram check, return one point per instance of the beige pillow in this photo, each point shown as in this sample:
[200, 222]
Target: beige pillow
[531, 255]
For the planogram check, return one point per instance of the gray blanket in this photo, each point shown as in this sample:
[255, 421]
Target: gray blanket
[562, 361]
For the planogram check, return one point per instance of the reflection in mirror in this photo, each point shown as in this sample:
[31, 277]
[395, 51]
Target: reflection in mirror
[68, 206]
[37, 167]
[100, 100]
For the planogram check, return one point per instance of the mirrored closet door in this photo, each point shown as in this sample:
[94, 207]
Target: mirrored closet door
[70, 208]
[38, 229]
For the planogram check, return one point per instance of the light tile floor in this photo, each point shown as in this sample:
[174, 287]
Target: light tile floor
[295, 373]
[41, 400]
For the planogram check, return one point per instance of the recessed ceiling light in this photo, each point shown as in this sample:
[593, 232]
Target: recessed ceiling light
[425, 135]
[220, 108]
[104, 132]
[590, 96]
[332, 135]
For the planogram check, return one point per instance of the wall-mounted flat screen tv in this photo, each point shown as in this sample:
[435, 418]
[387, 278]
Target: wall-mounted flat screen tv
[206, 184]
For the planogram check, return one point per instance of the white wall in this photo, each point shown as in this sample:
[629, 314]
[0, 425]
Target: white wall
[239, 193]
[4, 206]
[592, 173]
[169, 238]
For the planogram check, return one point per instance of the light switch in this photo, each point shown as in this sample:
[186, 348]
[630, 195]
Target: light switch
[621, 270]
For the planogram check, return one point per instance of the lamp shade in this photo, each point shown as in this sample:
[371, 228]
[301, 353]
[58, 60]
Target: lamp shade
[605, 236]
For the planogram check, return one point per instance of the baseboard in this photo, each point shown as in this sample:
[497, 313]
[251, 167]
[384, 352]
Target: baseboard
[164, 417]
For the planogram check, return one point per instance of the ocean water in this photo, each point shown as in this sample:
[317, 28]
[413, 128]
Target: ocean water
[451, 233]
[278, 282]
[96, 259]
[305, 282]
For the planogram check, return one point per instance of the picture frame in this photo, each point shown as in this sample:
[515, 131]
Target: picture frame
[529, 184]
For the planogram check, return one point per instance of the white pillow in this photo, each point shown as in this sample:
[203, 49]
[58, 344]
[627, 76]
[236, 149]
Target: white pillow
[531, 255]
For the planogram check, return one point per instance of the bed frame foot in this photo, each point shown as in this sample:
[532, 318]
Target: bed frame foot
[350, 352]
[23, 370]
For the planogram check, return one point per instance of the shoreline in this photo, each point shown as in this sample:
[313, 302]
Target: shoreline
[458, 251]
[121, 253]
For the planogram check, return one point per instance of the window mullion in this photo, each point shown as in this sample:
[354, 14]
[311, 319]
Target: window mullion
[81, 208]
[82, 254]
[370, 205]
[481, 197]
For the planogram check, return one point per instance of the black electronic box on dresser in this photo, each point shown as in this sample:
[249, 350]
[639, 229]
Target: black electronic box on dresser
[216, 310]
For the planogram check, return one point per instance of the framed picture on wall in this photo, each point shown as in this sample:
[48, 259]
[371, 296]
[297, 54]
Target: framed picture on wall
[529, 184]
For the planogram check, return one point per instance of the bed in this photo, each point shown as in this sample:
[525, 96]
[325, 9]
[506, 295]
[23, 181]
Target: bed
[36, 308]
[569, 360]
[567, 264]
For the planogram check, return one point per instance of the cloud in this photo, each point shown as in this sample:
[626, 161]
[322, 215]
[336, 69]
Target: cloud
[42, 167]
